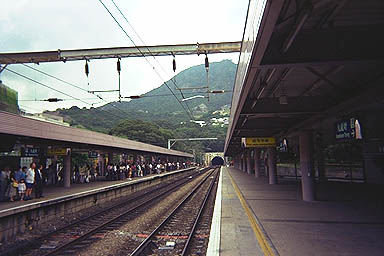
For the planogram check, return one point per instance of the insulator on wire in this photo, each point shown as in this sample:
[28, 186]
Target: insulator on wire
[206, 63]
[118, 66]
[53, 100]
[174, 64]
[86, 68]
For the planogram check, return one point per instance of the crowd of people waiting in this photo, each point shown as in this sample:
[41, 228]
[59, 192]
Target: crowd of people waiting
[131, 169]
[19, 185]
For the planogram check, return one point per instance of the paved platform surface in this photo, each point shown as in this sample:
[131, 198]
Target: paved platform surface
[57, 191]
[348, 219]
[237, 236]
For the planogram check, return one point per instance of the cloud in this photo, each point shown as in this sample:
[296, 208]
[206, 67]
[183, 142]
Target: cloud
[72, 24]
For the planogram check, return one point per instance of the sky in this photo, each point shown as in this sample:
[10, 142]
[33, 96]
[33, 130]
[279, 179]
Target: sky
[44, 25]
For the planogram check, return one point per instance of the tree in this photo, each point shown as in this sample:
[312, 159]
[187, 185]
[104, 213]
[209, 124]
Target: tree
[142, 131]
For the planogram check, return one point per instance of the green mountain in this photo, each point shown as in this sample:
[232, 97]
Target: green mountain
[159, 105]
[157, 116]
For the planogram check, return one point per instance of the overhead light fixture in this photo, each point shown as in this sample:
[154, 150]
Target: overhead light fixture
[193, 97]
[244, 121]
[283, 99]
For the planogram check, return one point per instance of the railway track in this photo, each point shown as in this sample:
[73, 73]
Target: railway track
[78, 235]
[176, 232]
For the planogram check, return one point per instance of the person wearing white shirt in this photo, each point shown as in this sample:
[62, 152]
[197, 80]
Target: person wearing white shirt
[30, 180]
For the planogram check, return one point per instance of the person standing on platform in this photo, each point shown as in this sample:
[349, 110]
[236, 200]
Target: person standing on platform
[52, 174]
[21, 189]
[12, 187]
[30, 180]
[139, 170]
[20, 174]
[39, 182]
[3, 183]
[130, 172]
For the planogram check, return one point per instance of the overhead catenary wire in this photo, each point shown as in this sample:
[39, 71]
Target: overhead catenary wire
[142, 41]
[56, 90]
[157, 73]
[47, 86]
[75, 86]
[137, 96]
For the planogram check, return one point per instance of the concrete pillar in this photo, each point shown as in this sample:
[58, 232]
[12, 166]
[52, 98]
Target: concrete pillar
[110, 157]
[67, 170]
[272, 168]
[257, 162]
[307, 166]
[249, 163]
[320, 158]
[101, 161]
[244, 163]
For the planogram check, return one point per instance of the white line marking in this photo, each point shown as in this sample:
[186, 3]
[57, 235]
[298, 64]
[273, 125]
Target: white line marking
[214, 236]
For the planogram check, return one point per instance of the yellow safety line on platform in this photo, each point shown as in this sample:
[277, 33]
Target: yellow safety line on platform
[266, 248]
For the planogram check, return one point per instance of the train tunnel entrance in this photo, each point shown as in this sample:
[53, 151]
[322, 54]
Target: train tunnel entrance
[217, 160]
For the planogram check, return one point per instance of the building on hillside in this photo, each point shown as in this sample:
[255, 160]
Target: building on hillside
[8, 99]
[221, 121]
[54, 119]
[201, 123]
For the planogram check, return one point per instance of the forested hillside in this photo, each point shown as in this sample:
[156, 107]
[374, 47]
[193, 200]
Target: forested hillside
[157, 115]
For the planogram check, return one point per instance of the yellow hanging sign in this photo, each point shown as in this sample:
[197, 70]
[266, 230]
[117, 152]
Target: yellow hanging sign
[57, 151]
[258, 142]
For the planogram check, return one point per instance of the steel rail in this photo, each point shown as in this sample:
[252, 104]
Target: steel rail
[202, 206]
[98, 227]
[147, 241]
[38, 240]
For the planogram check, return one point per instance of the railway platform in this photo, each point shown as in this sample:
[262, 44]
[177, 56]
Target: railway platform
[16, 217]
[261, 219]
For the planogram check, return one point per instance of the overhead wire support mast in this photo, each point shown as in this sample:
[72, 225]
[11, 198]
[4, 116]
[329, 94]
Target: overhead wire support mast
[157, 73]
[187, 139]
[142, 41]
[118, 52]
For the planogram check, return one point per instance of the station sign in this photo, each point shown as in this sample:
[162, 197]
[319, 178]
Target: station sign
[283, 146]
[30, 152]
[258, 142]
[93, 154]
[57, 151]
[347, 129]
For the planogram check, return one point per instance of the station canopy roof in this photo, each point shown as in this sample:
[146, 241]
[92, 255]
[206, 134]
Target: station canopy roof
[304, 61]
[40, 132]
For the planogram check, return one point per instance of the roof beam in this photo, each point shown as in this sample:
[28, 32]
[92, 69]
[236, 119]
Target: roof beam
[333, 45]
[317, 83]
[278, 114]
[330, 14]
[322, 77]
[261, 34]
[296, 105]
[372, 94]
[119, 52]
